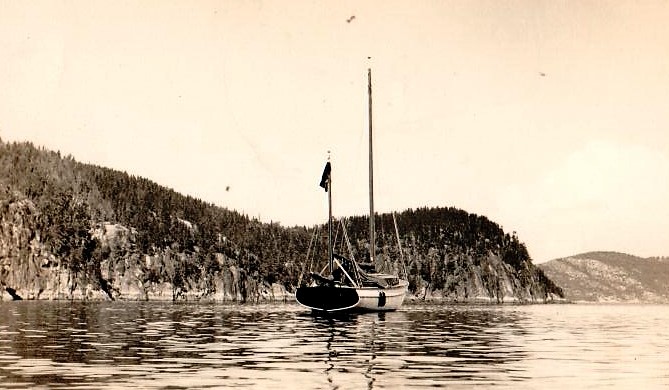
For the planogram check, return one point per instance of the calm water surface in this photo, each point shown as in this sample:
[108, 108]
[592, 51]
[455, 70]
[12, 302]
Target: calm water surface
[165, 345]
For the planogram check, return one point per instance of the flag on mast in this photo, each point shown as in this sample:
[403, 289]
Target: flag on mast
[325, 179]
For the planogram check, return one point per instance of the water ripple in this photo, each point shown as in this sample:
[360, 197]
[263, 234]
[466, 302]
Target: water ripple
[161, 345]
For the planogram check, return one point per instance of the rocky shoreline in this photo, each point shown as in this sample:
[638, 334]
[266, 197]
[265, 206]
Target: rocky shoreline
[71, 231]
[29, 271]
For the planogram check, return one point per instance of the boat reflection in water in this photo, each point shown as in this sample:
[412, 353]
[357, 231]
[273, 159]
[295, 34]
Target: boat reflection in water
[411, 348]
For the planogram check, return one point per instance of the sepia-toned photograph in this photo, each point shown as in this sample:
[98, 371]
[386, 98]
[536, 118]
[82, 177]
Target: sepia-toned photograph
[334, 194]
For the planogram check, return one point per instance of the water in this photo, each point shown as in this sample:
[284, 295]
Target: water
[165, 345]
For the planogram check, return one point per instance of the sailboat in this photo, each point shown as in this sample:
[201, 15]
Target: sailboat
[349, 285]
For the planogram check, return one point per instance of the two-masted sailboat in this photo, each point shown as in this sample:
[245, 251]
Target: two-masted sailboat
[350, 286]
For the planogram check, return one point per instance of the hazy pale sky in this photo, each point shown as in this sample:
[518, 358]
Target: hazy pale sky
[549, 117]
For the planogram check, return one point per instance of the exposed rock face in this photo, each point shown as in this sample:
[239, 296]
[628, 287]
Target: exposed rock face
[611, 277]
[490, 281]
[78, 231]
[29, 271]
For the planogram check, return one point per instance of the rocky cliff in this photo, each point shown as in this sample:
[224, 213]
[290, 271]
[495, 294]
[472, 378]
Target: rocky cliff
[611, 277]
[77, 231]
[490, 281]
[28, 270]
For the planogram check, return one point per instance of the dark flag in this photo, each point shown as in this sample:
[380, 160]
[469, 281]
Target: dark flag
[325, 179]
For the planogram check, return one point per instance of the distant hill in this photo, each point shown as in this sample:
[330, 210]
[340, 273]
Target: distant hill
[611, 277]
[72, 230]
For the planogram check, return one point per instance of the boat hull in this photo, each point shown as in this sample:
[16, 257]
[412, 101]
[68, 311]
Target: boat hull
[344, 298]
[381, 299]
[327, 298]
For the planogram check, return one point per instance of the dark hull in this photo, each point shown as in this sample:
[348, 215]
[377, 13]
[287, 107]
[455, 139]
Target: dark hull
[325, 298]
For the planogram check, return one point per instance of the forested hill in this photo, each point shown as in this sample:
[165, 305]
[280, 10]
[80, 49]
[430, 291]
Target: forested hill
[73, 230]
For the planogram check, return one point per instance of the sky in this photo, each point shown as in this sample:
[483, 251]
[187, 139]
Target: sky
[548, 117]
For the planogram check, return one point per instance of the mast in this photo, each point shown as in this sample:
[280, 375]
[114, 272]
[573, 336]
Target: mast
[329, 189]
[372, 242]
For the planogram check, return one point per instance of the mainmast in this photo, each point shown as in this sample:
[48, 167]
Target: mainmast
[330, 243]
[372, 242]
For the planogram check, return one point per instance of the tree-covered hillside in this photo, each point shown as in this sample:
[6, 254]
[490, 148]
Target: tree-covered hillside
[102, 229]
[444, 246]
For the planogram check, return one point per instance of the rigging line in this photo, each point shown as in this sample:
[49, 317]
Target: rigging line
[327, 262]
[399, 245]
[348, 242]
[346, 273]
[336, 235]
[356, 274]
[305, 267]
[382, 242]
[344, 237]
[341, 243]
